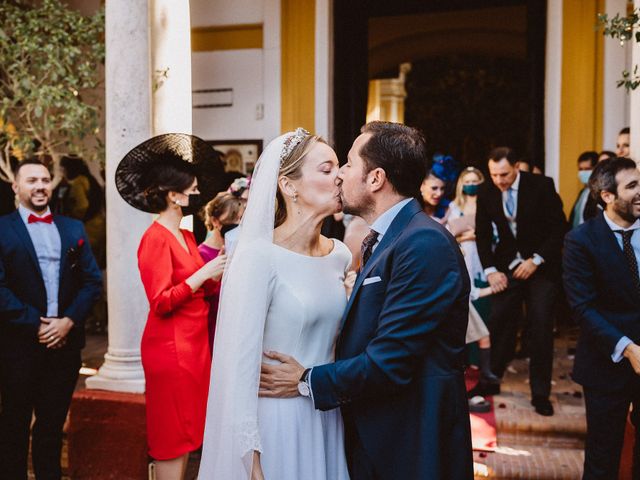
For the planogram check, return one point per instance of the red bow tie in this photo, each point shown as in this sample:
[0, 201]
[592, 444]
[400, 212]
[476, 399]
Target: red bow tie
[46, 219]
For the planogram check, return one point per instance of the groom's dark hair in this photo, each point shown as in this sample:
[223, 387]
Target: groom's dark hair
[400, 151]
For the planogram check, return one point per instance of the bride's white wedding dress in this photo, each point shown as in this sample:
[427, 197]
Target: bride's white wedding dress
[308, 299]
[273, 299]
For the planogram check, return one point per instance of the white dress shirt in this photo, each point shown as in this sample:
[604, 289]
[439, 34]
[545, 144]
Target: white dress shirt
[48, 246]
[515, 186]
[384, 221]
[624, 342]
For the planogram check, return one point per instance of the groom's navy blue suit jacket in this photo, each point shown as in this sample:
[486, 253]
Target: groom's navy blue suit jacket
[398, 374]
[23, 298]
[601, 292]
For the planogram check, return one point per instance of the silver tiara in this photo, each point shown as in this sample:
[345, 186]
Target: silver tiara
[292, 142]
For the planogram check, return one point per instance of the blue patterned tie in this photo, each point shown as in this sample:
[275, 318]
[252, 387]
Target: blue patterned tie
[511, 204]
[630, 255]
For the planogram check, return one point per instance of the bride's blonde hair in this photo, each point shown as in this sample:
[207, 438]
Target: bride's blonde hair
[291, 167]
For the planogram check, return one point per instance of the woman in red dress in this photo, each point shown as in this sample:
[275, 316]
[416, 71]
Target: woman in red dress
[175, 350]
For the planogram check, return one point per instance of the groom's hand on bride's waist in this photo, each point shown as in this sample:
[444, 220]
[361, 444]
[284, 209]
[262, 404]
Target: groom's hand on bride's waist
[280, 380]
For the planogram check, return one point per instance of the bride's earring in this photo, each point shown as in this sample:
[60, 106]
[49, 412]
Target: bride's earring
[295, 200]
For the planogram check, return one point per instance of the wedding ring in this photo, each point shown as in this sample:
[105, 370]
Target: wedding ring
[50, 337]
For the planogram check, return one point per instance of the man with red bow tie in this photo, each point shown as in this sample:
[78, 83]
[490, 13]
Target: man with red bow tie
[49, 281]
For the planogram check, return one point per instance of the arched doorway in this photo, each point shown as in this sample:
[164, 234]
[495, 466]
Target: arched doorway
[477, 75]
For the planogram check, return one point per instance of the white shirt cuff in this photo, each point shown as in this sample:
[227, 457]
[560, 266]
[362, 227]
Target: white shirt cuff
[309, 383]
[537, 259]
[623, 343]
[490, 270]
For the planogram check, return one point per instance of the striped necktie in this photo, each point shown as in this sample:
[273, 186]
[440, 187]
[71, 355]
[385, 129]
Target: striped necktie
[367, 246]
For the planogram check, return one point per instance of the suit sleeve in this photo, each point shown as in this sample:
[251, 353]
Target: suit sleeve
[580, 288]
[90, 284]
[418, 299]
[555, 223]
[156, 272]
[484, 233]
[13, 309]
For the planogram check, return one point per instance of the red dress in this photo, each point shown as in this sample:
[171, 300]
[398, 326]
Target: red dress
[175, 350]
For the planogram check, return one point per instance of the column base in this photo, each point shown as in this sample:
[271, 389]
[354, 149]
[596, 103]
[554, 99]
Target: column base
[107, 436]
[118, 374]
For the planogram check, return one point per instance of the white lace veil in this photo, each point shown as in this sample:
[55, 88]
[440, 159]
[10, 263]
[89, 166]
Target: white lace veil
[231, 432]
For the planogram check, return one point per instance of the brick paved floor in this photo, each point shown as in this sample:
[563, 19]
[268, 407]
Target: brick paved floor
[530, 446]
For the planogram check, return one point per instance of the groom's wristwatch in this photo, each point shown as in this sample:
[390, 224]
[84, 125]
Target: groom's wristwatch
[303, 385]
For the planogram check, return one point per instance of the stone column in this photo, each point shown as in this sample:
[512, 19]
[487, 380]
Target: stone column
[386, 97]
[634, 108]
[615, 108]
[171, 71]
[128, 123]
[171, 53]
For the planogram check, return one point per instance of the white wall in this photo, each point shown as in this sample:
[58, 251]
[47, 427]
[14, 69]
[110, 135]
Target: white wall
[253, 74]
[240, 70]
[205, 13]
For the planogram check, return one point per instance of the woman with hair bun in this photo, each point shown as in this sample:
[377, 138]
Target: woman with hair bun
[220, 215]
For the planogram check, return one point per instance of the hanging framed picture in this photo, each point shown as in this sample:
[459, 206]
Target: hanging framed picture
[238, 155]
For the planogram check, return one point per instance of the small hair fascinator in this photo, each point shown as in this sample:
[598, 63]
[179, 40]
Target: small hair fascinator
[239, 185]
[292, 142]
[445, 167]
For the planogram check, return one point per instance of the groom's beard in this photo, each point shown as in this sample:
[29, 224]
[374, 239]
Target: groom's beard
[359, 208]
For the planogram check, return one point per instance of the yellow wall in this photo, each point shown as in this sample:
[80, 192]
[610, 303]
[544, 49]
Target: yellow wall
[581, 104]
[232, 37]
[298, 64]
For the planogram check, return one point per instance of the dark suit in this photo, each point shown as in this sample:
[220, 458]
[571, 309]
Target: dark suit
[601, 292]
[590, 209]
[32, 377]
[399, 375]
[541, 226]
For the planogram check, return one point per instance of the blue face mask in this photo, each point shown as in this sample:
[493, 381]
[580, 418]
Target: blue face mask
[583, 176]
[470, 189]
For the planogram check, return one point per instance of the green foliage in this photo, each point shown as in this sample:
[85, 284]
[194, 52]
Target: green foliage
[49, 66]
[624, 29]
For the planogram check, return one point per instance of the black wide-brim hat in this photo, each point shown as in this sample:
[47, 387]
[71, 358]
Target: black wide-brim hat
[134, 174]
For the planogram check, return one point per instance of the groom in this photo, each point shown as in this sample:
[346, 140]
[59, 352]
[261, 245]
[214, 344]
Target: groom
[398, 374]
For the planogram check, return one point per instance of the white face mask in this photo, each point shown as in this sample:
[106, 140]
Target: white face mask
[583, 176]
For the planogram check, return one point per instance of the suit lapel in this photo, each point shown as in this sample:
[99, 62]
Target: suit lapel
[23, 233]
[501, 221]
[65, 241]
[525, 197]
[396, 227]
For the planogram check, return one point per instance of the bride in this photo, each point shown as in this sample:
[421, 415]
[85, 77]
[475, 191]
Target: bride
[284, 290]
